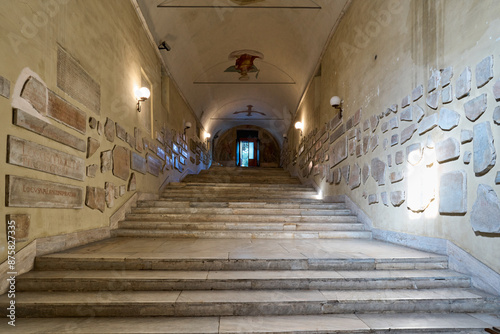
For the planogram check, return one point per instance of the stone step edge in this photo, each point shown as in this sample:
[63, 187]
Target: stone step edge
[320, 324]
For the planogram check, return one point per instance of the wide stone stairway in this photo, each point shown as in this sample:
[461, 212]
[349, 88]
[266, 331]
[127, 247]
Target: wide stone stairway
[246, 251]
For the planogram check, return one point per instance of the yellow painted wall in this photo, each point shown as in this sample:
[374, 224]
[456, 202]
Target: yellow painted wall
[109, 42]
[380, 52]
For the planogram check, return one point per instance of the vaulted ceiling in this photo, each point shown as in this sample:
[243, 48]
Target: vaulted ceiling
[242, 62]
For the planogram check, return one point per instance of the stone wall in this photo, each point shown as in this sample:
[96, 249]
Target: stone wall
[75, 147]
[415, 145]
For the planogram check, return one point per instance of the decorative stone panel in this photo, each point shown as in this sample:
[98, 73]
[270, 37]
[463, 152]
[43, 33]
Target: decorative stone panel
[453, 193]
[485, 211]
[447, 150]
[484, 148]
[476, 107]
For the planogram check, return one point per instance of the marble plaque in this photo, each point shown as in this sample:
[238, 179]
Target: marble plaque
[38, 157]
[47, 130]
[121, 132]
[138, 163]
[74, 80]
[121, 162]
[4, 87]
[65, 113]
[35, 93]
[31, 193]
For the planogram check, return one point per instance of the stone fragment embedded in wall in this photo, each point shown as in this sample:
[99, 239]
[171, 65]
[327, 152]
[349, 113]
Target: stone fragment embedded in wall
[366, 144]
[384, 198]
[359, 149]
[109, 189]
[496, 115]
[433, 100]
[92, 146]
[106, 161]
[386, 144]
[123, 190]
[365, 172]
[378, 168]
[428, 123]
[417, 93]
[484, 149]
[160, 152]
[407, 133]
[138, 163]
[476, 107]
[420, 188]
[447, 95]
[139, 146]
[405, 102]
[467, 157]
[385, 127]
[484, 71]
[355, 177]
[22, 225]
[466, 136]
[352, 146]
[100, 128]
[430, 143]
[366, 125]
[406, 115]
[372, 199]
[394, 139]
[34, 156]
[447, 150]
[336, 175]
[446, 76]
[374, 120]
[132, 183]
[393, 123]
[339, 151]
[4, 87]
[117, 192]
[35, 93]
[121, 162]
[414, 154]
[92, 123]
[463, 84]
[74, 80]
[396, 176]
[96, 198]
[496, 90]
[399, 157]
[453, 193]
[418, 113]
[65, 113]
[429, 156]
[155, 165]
[389, 160]
[33, 193]
[121, 133]
[130, 140]
[393, 108]
[397, 198]
[335, 122]
[337, 133]
[448, 119]
[374, 142]
[109, 130]
[497, 178]
[92, 170]
[433, 81]
[38, 126]
[485, 211]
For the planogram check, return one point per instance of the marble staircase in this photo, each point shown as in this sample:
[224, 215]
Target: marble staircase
[254, 252]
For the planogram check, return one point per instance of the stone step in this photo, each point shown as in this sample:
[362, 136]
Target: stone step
[235, 191]
[239, 179]
[246, 196]
[252, 199]
[194, 185]
[162, 280]
[189, 303]
[248, 226]
[257, 205]
[225, 234]
[172, 217]
[153, 261]
[407, 323]
[241, 211]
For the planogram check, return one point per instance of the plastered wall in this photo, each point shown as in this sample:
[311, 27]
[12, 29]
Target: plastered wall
[413, 172]
[113, 56]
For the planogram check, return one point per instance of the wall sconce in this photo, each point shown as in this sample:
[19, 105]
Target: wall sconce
[141, 94]
[285, 137]
[336, 102]
[207, 136]
[299, 126]
[187, 125]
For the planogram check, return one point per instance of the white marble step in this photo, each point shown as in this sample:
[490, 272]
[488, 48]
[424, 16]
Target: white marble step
[408, 323]
[206, 217]
[241, 195]
[231, 199]
[241, 234]
[242, 211]
[249, 302]
[158, 280]
[195, 185]
[248, 226]
[242, 204]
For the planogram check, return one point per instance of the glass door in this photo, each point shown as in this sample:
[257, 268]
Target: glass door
[248, 152]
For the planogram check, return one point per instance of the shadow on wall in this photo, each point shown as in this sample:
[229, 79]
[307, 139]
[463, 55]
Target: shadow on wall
[225, 147]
